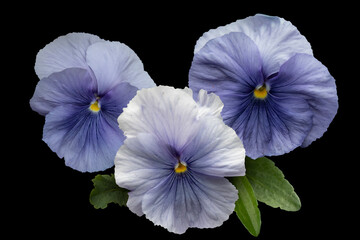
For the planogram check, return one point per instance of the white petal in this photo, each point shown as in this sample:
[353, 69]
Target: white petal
[188, 91]
[140, 164]
[276, 38]
[67, 51]
[209, 104]
[114, 62]
[168, 113]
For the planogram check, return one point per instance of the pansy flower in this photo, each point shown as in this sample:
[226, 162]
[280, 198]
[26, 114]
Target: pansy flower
[276, 95]
[85, 83]
[175, 158]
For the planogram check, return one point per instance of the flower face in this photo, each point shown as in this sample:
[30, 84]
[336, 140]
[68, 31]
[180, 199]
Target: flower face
[276, 95]
[85, 83]
[175, 157]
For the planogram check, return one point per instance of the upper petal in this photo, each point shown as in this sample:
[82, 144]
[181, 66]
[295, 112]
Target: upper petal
[276, 38]
[113, 63]
[67, 51]
[303, 76]
[168, 113]
[71, 86]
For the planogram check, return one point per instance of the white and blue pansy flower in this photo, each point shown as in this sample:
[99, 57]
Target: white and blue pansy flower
[85, 82]
[276, 95]
[175, 158]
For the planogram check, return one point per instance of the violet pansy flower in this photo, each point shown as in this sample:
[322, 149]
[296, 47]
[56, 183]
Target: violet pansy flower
[276, 95]
[84, 84]
[175, 158]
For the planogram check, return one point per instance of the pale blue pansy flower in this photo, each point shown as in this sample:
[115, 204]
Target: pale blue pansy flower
[276, 95]
[175, 158]
[84, 84]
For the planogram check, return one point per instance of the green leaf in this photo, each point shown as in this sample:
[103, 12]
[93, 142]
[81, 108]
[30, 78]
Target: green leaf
[246, 207]
[107, 191]
[270, 186]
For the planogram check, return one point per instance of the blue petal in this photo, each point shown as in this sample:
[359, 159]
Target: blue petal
[190, 200]
[72, 86]
[227, 64]
[304, 77]
[67, 51]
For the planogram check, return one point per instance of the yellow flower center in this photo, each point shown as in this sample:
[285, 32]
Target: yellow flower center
[260, 92]
[180, 167]
[95, 106]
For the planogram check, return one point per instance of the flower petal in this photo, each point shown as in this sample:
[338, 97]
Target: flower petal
[303, 76]
[71, 86]
[67, 51]
[113, 63]
[276, 38]
[88, 141]
[192, 200]
[216, 150]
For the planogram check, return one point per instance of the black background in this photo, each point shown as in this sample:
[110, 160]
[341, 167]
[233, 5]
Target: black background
[46, 198]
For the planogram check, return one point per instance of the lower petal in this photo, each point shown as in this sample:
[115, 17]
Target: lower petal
[87, 141]
[217, 197]
[191, 200]
[273, 126]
